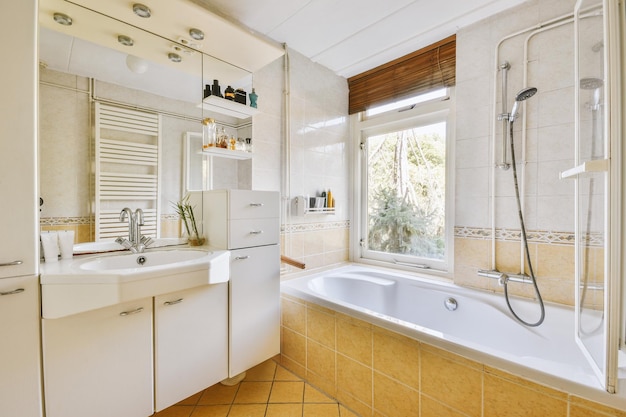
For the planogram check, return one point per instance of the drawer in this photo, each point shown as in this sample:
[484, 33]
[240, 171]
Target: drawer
[246, 204]
[245, 233]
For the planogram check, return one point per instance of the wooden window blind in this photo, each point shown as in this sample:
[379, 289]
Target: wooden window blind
[427, 69]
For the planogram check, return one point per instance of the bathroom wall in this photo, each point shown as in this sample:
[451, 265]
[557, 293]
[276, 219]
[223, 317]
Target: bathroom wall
[483, 193]
[318, 155]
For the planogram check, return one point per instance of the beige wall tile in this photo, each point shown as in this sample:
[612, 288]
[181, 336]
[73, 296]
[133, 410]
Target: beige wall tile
[355, 341]
[518, 400]
[451, 383]
[355, 379]
[555, 261]
[393, 398]
[387, 353]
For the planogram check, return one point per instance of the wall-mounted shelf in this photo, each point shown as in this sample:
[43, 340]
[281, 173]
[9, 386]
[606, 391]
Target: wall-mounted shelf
[228, 107]
[596, 165]
[301, 207]
[226, 153]
[323, 210]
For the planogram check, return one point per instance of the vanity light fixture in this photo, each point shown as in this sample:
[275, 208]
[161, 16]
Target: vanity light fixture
[196, 34]
[125, 40]
[142, 10]
[136, 64]
[174, 57]
[62, 19]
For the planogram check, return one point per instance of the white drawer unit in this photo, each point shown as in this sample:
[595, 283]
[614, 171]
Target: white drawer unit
[247, 223]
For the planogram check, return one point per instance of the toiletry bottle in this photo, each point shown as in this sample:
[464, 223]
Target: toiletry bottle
[253, 98]
[207, 90]
[209, 133]
[329, 199]
[215, 90]
[248, 144]
[229, 93]
[232, 143]
[222, 139]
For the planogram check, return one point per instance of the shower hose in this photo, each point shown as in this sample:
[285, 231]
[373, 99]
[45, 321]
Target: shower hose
[526, 251]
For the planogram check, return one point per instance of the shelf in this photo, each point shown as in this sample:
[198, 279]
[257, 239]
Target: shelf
[596, 165]
[228, 107]
[323, 210]
[226, 153]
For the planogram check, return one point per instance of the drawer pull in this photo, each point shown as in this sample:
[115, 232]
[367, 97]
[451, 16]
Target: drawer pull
[256, 232]
[171, 303]
[256, 204]
[16, 291]
[128, 313]
[12, 263]
[241, 258]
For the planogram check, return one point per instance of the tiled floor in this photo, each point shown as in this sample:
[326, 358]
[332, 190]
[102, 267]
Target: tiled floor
[268, 390]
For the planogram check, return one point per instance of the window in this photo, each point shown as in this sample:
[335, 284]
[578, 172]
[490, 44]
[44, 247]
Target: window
[406, 210]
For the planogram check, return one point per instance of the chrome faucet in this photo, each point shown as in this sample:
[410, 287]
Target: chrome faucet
[135, 241]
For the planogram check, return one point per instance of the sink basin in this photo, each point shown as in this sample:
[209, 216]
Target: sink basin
[86, 283]
[102, 247]
[135, 262]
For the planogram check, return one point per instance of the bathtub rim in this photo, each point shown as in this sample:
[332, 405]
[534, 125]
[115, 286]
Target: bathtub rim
[567, 386]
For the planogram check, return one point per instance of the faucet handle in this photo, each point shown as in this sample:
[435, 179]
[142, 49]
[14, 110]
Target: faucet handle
[146, 240]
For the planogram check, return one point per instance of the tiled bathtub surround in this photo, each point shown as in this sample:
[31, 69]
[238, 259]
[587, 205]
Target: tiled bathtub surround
[316, 244]
[379, 373]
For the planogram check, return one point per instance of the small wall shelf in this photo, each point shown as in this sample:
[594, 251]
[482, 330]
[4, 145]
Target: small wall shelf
[226, 153]
[323, 210]
[228, 107]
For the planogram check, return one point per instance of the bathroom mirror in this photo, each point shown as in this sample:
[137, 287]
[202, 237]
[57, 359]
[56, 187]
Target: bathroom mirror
[88, 62]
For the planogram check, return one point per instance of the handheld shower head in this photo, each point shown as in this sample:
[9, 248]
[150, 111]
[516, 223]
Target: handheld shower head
[524, 94]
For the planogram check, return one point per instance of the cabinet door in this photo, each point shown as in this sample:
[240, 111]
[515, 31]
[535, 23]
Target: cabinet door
[254, 307]
[99, 363]
[20, 378]
[191, 342]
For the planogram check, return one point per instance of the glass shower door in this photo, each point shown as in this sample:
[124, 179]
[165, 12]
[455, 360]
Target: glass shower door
[595, 176]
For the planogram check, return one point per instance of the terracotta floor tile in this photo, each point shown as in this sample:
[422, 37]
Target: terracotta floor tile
[175, 411]
[218, 394]
[247, 410]
[320, 410]
[284, 410]
[313, 395]
[253, 392]
[262, 372]
[344, 412]
[193, 400]
[284, 375]
[211, 411]
[287, 392]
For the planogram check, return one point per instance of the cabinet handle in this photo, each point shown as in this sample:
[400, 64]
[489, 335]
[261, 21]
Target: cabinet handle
[128, 313]
[241, 258]
[256, 204]
[12, 263]
[16, 291]
[256, 232]
[171, 303]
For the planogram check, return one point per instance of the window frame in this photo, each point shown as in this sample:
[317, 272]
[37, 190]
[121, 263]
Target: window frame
[421, 114]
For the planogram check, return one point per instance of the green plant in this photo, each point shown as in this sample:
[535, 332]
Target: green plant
[185, 212]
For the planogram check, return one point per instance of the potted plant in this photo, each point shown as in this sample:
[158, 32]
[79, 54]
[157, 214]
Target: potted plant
[185, 212]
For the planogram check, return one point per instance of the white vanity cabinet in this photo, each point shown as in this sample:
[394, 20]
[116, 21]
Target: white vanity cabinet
[99, 363]
[191, 342]
[247, 223]
[20, 392]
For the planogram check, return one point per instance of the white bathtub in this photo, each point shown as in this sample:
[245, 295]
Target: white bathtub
[480, 328]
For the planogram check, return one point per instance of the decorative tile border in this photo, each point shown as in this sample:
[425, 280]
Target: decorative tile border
[534, 236]
[65, 221]
[311, 227]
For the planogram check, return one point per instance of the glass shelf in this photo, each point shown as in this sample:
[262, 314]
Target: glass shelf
[228, 107]
[226, 153]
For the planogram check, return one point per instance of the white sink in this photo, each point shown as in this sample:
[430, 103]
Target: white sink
[89, 282]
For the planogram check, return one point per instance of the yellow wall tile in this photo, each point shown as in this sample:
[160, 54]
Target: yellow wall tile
[321, 327]
[293, 345]
[321, 360]
[293, 315]
[433, 408]
[451, 383]
[355, 341]
[355, 379]
[350, 401]
[393, 398]
[518, 400]
[388, 350]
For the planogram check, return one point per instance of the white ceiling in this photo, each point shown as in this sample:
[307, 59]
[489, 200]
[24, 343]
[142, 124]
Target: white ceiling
[352, 36]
